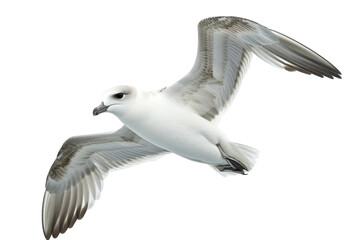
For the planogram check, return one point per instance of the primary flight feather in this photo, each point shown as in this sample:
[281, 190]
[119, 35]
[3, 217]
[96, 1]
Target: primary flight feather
[177, 119]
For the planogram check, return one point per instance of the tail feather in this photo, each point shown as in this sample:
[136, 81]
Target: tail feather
[240, 157]
[249, 153]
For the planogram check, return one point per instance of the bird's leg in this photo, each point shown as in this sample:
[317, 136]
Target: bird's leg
[233, 164]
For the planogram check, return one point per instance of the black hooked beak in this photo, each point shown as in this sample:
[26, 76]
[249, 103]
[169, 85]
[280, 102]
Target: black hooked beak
[100, 109]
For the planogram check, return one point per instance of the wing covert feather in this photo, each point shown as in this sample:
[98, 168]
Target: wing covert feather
[75, 179]
[225, 46]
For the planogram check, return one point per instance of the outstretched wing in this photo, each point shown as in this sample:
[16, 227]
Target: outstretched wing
[75, 179]
[224, 51]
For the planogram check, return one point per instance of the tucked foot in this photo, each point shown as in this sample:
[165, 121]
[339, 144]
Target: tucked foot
[234, 164]
[228, 168]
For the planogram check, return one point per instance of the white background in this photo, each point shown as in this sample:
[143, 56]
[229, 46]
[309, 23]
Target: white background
[57, 57]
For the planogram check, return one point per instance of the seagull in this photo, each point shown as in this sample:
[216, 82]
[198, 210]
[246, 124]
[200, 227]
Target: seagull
[178, 119]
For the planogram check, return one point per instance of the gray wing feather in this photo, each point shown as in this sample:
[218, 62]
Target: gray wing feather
[225, 45]
[75, 179]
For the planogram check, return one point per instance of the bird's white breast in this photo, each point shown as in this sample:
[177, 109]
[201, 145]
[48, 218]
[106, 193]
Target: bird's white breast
[173, 127]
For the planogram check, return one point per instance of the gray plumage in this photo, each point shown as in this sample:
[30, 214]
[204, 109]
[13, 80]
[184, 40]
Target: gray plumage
[225, 46]
[75, 179]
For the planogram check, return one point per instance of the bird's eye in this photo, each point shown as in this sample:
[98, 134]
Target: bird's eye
[118, 95]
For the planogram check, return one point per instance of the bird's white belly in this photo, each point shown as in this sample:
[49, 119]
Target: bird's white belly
[179, 131]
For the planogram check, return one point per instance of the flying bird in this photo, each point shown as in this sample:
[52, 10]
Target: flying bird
[178, 119]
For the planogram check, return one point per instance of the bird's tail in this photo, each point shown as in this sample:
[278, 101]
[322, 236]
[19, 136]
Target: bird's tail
[241, 158]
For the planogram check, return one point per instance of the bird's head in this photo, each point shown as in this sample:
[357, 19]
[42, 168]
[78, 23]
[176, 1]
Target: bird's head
[116, 100]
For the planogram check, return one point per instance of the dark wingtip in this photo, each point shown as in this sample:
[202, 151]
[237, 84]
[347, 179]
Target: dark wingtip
[338, 75]
[47, 235]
